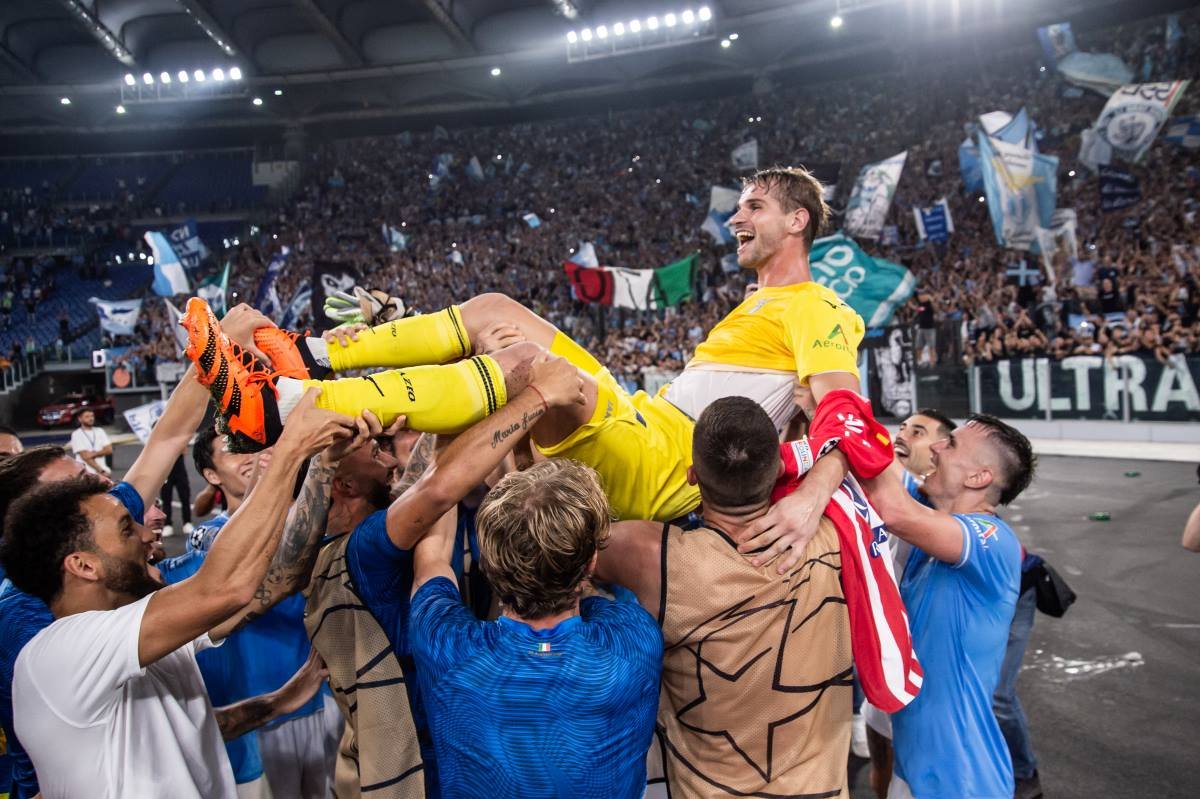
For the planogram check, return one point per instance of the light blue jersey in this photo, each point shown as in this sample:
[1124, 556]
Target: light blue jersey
[948, 744]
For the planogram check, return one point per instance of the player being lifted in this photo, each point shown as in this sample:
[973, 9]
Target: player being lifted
[789, 329]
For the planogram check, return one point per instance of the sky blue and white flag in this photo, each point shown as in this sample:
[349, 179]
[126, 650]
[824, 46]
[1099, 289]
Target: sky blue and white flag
[1019, 129]
[1134, 114]
[1100, 72]
[1022, 274]
[872, 196]
[187, 244]
[442, 163]
[1174, 31]
[475, 170]
[118, 317]
[934, 222]
[1058, 41]
[266, 297]
[300, 300]
[440, 133]
[532, 219]
[169, 277]
[1021, 189]
[585, 255]
[873, 287]
[393, 238]
[1061, 235]
[1183, 132]
[173, 317]
[142, 418]
[745, 156]
[722, 204]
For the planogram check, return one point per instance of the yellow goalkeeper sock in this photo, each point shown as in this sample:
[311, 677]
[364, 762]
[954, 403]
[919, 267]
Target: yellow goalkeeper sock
[415, 340]
[436, 399]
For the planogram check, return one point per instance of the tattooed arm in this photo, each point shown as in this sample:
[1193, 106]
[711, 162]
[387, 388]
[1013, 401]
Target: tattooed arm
[475, 453]
[242, 717]
[291, 566]
[418, 462]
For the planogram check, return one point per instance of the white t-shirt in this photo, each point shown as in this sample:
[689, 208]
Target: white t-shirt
[92, 440]
[96, 724]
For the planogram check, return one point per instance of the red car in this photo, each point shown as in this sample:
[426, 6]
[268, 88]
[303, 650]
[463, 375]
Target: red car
[67, 410]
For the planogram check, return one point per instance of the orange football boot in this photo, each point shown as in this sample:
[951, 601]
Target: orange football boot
[287, 359]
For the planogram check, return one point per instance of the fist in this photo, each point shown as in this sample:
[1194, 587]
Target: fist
[558, 380]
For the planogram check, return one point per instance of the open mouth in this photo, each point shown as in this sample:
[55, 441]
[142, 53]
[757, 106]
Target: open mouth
[901, 449]
[743, 237]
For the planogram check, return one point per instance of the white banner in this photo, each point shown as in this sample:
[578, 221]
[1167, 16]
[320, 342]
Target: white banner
[143, 418]
[1063, 225]
[872, 197]
[1134, 114]
[722, 205]
[118, 317]
[745, 156]
[632, 288]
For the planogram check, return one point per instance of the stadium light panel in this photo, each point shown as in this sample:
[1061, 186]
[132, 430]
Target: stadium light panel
[199, 76]
[65, 101]
[586, 34]
[572, 37]
[733, 37]
[218, 74]
[705, 13]
[164, 77]
[148, 79]
[635, 26]
[183, 76]
[129, 79]
[619, 29]
[689, 17]
[120, 109]
[279, 92]
[669, 20]
[652, 23]
[836, 21]
[150, 260]
[257, 101]
[1071, 174]
[601, 32]
[495, 72]
[235, 73]
[726, 43]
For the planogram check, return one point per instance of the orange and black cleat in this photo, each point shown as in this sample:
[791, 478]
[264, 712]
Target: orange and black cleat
[289, 356]
[240, 385]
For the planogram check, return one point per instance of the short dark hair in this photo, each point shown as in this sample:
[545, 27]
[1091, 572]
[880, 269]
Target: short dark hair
[1016, 455]
[202, 450]
[794, 187]
[42, 528]
[20, 473]
[735, 452]
[6, 429]
[947, 424]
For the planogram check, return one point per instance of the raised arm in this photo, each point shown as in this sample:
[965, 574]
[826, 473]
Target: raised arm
[242, 717]
[935, 532]
[476, 452]
[239, 558]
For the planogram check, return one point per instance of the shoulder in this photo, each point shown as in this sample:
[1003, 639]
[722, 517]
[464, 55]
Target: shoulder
[625, 622]
[988, 537]
[370, 539]
[22, 616]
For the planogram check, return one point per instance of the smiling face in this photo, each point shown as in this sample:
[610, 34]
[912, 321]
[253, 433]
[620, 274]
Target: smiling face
[762, 226]
[914, 441]
[961, 462]
[119, 548]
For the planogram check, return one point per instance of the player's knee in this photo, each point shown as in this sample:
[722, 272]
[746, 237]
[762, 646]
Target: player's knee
[487, 309]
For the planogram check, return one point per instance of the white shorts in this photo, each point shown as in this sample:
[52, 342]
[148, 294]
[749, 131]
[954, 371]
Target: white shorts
[899, 789]
[877, 720]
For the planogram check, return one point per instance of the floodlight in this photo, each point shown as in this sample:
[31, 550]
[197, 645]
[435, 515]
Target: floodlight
[572, 37]
[669, 20]
[635, 26]
[164, 77]
[279, 92]
[148, 79]
[218, 74]
[495, 72]
[725, 43]
[183, 76]
[652, 23]
[129, 79]
[705, 13]
[65, 101]
[689, 17]
[120, 109]
[601, 32]
[836, 21]
[619, 29]
[586, 34]
[199, 76]
[257, 101]
[733, 37]
[235, 73]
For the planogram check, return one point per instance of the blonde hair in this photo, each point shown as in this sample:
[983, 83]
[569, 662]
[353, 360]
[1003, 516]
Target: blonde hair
[795, 187]
[538, 532]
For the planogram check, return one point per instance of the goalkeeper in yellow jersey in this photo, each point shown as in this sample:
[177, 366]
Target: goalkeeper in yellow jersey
[790, 329]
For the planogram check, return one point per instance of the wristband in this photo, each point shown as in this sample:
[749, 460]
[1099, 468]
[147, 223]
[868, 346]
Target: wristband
[542, 397]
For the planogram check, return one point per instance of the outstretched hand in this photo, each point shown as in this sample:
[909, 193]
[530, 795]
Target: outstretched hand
[785, 530]
[310, 429]
[558, 380]
[240, 323]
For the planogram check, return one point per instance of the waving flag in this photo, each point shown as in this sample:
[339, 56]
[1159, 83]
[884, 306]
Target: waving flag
[118, 317]
[722, 205]
[872, 196]
[635, 289]
[187, 245]
[1134, 114]
[934, 222]
[745, 156]
[394, 239]
[1021, 188]
[266, 297]
[169, 277]
[213, 292]
[873, 287]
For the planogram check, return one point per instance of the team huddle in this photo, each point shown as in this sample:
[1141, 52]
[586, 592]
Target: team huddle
[686, 585]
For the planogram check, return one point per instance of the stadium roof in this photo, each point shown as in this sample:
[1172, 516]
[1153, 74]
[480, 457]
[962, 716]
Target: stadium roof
[64, 64]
